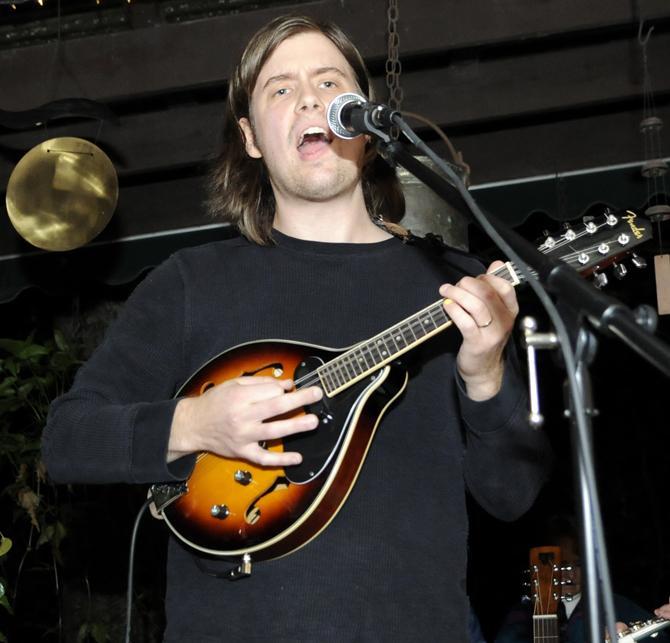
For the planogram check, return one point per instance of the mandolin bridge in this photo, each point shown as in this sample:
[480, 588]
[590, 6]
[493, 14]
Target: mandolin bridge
[165, 494]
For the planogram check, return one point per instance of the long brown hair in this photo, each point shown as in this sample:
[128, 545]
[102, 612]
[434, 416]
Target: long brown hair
[239, 186]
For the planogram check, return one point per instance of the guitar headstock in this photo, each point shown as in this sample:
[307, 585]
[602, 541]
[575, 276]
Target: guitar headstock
[545, 580]
[600, 242]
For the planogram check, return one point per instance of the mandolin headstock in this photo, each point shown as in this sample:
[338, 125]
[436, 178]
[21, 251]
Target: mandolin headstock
[600, 242]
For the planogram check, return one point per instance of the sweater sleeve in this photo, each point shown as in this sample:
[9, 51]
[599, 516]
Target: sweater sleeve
[506, 460]
[114, 423]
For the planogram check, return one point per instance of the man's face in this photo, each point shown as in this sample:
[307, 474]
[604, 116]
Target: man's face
[288, 127]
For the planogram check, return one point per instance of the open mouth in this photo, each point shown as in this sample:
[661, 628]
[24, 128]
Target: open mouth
[314, 136]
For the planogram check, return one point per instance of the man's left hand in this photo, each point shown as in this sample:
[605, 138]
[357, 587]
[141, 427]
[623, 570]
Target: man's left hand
[483, 308]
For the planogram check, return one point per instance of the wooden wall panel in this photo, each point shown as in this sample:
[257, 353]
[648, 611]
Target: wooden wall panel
[169, 57]
[474, 95]
[523, 88]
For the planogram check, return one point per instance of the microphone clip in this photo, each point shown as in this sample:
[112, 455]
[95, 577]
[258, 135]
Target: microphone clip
[350, 115]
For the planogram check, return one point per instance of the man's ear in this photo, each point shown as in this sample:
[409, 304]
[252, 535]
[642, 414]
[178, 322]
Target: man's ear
[249, 139]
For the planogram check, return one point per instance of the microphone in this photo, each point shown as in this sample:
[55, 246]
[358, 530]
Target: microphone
[350, 115]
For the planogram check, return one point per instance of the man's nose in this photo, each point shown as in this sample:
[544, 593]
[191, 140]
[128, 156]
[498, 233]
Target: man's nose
[308, 99]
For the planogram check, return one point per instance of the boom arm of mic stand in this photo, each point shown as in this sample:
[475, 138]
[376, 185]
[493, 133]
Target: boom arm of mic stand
[606, 313]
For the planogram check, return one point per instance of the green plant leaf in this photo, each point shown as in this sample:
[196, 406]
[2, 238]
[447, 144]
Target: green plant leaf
[82, 634]
[61, 343]
[23, 350]
[5, 603]
[12, 346]
[99, 633]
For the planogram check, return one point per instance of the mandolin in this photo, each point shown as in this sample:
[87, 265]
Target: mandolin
[240, 511]
[642, 629]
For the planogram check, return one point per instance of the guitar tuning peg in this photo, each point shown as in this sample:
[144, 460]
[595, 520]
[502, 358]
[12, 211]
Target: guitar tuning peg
[587, 218]
[620, 271]
[638, 261]
[599, 279]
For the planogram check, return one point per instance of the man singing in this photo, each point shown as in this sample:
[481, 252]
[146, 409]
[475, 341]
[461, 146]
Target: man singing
[315, 264]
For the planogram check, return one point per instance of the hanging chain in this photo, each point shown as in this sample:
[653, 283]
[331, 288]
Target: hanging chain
[393, 66]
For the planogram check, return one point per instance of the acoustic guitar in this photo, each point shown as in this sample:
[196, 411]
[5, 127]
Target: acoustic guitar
[546, 591]
[549, 579]
[240, 511]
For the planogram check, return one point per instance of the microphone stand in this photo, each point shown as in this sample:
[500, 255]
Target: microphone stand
[605, 314]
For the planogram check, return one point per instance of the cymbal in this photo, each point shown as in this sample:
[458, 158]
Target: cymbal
[62, 193]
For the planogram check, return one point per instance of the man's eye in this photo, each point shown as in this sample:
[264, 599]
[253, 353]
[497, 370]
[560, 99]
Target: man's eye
[281, 91]
[328, 84]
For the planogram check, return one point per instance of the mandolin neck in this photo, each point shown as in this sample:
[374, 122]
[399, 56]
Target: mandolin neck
[372, 354]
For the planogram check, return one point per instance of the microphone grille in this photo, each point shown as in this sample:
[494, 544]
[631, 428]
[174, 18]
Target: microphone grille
[334, 113]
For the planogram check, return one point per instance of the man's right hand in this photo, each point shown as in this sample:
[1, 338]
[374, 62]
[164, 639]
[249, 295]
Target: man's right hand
[232, 418]
[663, 611]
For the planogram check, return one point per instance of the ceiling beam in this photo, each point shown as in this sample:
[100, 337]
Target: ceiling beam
[170, 57]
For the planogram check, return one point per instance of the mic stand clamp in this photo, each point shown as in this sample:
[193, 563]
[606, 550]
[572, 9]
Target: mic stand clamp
[532, 341]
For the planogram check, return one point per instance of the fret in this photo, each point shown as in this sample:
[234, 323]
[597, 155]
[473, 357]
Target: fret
[427, 322]
[355, 367]
[387, 338]
[411, 330]
[509, 273]
[352, 364]
[385, 350]
[344, 370]
[418, 325]
[376, 347]
[337, 373]
[327, 380]
[442, 317]
[391, 334]
[399, 339]
[332, 372]
[361, 352]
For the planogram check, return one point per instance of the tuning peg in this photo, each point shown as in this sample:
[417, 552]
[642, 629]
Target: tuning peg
[568, 232]
[638, 261]
[620, 271]
[599, 279]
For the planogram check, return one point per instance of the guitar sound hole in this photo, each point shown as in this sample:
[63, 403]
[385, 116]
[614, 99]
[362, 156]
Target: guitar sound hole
[253, 515]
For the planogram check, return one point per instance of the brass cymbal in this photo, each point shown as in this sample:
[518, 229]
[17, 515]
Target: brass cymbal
[62, 193]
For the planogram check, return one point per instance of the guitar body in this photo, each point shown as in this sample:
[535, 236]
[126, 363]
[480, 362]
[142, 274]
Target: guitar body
[230, 508]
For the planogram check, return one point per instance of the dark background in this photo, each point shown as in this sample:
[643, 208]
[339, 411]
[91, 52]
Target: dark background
[544, 100]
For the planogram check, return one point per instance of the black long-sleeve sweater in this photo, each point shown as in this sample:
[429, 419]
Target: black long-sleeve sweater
[392, 564]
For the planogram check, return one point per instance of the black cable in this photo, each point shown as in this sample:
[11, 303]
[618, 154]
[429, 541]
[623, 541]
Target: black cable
[131, 564]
